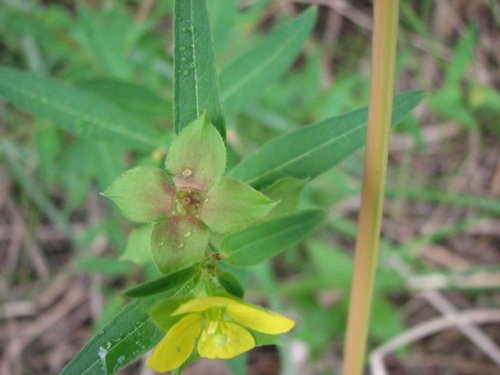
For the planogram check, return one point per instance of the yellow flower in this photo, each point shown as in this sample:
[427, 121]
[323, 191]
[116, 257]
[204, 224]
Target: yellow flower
[221, 322]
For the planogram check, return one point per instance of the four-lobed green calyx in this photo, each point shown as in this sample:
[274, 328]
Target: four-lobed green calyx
[200, 199]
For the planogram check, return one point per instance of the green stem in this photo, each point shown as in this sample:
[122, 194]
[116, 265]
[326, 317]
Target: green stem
[368, 236]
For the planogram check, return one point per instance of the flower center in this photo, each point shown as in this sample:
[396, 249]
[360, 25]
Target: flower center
[187, 202]
[214, 331]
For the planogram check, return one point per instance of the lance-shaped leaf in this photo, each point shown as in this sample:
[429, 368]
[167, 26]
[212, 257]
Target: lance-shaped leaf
[178, 242]
[143, 194]
[305, 153]
[172, 281]
[133, 98]
[231, 284]
[230, 205]
[197, 156]
[75, 110]
[195, 79]
[255, 244]
[129, 335]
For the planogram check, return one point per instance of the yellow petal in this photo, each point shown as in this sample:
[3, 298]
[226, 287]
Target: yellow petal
[228, 341]
[259, 319]
[201, 304]
[177, 345]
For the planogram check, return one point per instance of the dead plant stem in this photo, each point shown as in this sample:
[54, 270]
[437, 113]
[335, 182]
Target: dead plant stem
[370, 217]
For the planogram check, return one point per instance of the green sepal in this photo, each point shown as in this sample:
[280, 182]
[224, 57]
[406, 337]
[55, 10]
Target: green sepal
[143, 194]
[231, 205]
[231, 284]
[286, 191]
[178, 242]
[184, 279]
[262, 339]
[161, 312]
[197, 156]
[138, 248]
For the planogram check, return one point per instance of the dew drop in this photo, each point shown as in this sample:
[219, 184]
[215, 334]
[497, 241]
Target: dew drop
[182, 48]
[187, 234]
[184, 59]
[181, 245]
[102, 353]
[185, 72]
[186, 173]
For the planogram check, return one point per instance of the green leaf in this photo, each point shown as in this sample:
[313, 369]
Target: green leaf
[195, 78]
[310, 151]
[262, 241]
[132, 98]
[238, 364]
[386, 322]
[197, 156]
[287, 192]
[331, 264]
[129, 335]
[244, 78]
[262, 339]
[32, 187]
[162, 310]
[138, 249]
[178, 242]
[222, 19]
[231, 284]
[143, 194]
[104, 35]
[104, 266]
[230, 205]
[175, 280]
[75, 110]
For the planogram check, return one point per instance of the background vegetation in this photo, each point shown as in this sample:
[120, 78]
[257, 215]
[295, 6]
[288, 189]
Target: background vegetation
[60, 241]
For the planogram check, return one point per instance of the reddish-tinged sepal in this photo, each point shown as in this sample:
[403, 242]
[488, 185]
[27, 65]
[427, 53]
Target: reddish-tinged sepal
[231, 204]
[143, 194]
[197, 156]
[178, 242]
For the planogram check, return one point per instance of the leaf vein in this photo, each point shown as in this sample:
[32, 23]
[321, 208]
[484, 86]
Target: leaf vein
[303, 155]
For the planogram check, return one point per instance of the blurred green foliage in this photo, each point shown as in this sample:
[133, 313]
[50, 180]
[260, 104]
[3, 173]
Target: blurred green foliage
[121, 54]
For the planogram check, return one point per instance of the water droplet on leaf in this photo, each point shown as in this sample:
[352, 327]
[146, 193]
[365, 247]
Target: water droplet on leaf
[186, 173]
